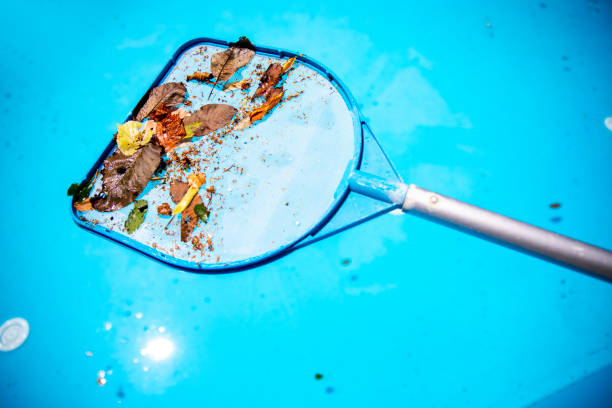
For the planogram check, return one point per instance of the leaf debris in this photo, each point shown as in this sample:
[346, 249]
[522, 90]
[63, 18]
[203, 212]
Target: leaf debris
[136, 216]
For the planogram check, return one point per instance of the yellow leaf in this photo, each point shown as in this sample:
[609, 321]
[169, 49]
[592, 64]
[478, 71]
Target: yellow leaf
[130, 139]
[195, 182]
[288, 64]
[191, 128]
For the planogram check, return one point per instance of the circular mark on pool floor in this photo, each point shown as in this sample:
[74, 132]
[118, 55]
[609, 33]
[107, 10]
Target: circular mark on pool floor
[13, 333]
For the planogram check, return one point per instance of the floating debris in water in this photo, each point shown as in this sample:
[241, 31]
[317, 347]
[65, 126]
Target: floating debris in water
[101, 378]
[13, 333]
[88, 353]
[108, 326]
[608, 123]
[555, 205]
[346, 261]
[318, 376]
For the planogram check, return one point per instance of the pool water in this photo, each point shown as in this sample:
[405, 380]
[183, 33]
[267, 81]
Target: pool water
[500, 105]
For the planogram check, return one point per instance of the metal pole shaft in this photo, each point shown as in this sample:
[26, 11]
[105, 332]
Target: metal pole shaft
[528, 238]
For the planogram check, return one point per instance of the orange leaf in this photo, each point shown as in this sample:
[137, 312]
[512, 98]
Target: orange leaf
[259, 113]
[200, 76]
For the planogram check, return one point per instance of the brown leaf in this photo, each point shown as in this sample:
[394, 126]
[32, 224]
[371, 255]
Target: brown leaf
[211, 117]
[170, 131]
[189, 219]
[171, 94]
[224, 64]
[269, 80]
[124, 177]
[160, 112]
[200, 76]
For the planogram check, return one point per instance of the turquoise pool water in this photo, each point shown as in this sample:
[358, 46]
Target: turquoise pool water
[501, 105]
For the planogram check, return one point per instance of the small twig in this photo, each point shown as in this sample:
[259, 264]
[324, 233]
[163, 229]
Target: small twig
[171, 218]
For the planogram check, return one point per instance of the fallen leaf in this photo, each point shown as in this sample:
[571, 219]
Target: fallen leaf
[269, 80]
[224, 64]
[149, 125]
[124, 177]
[130, 138]
[202, 212]
[170, 131]
[164, 209]
[244, 84]
[195, 181]
[160, 112]
[189, 219]
[136, 216]
[171, 94]
[80, 191]
[200, 76]
[211, 117]
[84, 205]
[288, 64]
[243, 123]
[276, 94]
[189, 129]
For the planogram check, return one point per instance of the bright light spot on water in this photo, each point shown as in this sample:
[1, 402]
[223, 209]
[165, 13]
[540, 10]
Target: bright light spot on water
[158, 349]
[608, 123]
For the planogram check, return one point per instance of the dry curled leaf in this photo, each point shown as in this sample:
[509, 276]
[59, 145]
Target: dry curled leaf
[124, 177]
[243, 123]
[244, 84]
[211, 117]
[84, 205]
[288, 64]
[269, 80]
[160, 112]
[200, 76]
[275, 96]
[189, 219]
[170, 94]
[164, 209]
